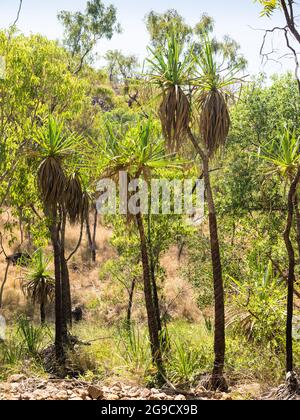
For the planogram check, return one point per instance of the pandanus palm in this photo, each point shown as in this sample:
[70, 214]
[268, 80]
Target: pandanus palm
[53, 148]
[207, 85]
[39, 284]
[170, 70]
[138, 152]
[283, 154]
[212, 90]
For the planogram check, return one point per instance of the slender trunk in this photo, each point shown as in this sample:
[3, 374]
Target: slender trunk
[65, 281]
[153, 278]
[291, 274]
[4, 283]
[90, 238]
[21, 226]
[218, 381]
[151, 314]
[43, 312]
[59, 348]
[130, 304]
[95, 235]
[297, 214]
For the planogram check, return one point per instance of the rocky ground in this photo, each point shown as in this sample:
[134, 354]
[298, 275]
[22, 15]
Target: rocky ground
[18, 387]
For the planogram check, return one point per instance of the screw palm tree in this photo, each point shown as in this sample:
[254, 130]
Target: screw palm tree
[140, 151]
[53, 148]
[39, 285]
[171, 71]
[208, 85]
[283, 154]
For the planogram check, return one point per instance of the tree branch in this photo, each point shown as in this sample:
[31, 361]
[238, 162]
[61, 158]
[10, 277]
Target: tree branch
[19, 13]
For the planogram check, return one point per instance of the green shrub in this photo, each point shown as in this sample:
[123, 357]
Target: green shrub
[258, 308]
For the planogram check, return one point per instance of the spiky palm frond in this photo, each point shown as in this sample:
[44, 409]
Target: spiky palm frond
[52, 147]
[171, 68]
[74, 198]
[39, 284]
[283, 153]
[140, 151]
[51, 182]
[213, 88]
[214, 120]
[174, 114]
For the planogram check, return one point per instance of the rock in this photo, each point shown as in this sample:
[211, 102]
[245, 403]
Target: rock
[134, 394]
[112, 397]
[146, 393]
[14, 379]
[180, 398]
[95, 393]
[62, 396]
[159, 397]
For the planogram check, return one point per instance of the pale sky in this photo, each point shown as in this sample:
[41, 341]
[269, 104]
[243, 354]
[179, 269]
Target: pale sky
[237, 18]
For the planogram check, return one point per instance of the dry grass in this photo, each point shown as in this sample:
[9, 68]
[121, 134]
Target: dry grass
[181, 300]
[103, 300]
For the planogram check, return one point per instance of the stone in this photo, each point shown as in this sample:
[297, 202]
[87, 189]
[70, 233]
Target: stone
[95, 393]
[146, 393]
[61, 396]
[159, 397]
[112, 397]
[180, 398]
[14, 379]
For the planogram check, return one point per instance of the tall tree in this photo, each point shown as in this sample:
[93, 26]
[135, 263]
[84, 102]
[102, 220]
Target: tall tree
[53, 147]
[139, 151]
[172, 69]
[84, 30]
[283, 155]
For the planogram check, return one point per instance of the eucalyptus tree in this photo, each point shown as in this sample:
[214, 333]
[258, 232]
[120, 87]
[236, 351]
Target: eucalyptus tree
[195, 91]
[83, 30]
[39, 284]
[283, 155]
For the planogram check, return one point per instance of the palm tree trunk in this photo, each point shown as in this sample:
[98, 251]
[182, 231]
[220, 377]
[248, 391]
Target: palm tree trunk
[90, 239]
[95, 234]
[43, 312]
[130, 304]
[151, 314]
[4, 283]
[153, 278]
[217, 381]
[297, 214]
[65, 280]
[59, 347]
[291, 274]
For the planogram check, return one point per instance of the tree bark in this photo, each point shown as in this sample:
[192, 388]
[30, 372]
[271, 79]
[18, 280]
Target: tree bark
[4, 283]
[59, 347]
[153, 278]
[151, 314]
[95, 235]
[218, 381]
[130, 304]
[43, 312]
[65, 280]
[92, 247]
[291, 274]
[290, 18]
[297, 216]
